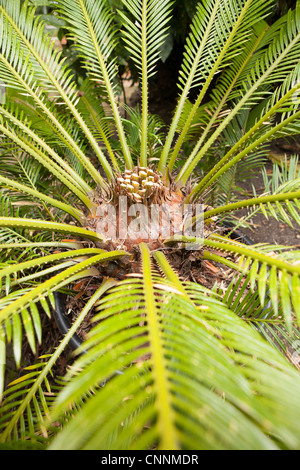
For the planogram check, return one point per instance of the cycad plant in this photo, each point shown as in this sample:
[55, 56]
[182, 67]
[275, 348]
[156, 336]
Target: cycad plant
[174, 359]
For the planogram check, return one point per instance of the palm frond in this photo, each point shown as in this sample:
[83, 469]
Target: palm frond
[46, 225]
[280, 276]
[19, 121]
[284, 52]
[20, 307]
[31, 54]
[204, 388]
[285, 198]
[23, 30]
[47, 130]
[41, 402]
[16, 135]
[246, 304]
[95, 44]
[216, 29]
[92, 110]
[263, 136]
[132, 126]
[33, 393]
[42, 197]
[144, 35]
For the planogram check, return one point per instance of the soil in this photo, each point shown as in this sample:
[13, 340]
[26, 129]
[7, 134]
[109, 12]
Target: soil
[264, 230]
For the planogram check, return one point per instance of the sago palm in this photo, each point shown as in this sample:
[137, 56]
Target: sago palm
[171, 362]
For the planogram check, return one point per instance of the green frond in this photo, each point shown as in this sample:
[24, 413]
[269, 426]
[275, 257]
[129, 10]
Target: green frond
[19, 122]
[268, 133]
[144, 34]
[33, 392]
[203, 21]
[56, 282]
[197, 123]
[246, 304]
[216, 29]
[98, 37]
[41, 402]
[132, 126]
[51, 226]
[149, 17]
[188, 331]
[285, 213]
[26, 85]
[72, 254]
[282, 55]
[33, 149]
[91, 108]
[168, 364]
[20, 187]
[160, 372]
[283, 274]
[23, 33]
[34, 64]
[95, 44]
[222, 94]
[47, 130]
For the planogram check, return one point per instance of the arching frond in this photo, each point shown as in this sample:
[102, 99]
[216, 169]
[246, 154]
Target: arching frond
[91, 108]
[281, 277]
[286, 203]
[23, 223]
[41, 401]
[216, 29]
[33, 149]
[95, 45]
[144, 35]
[283, 52]
[19, 121]
[23, 33]
[29, 61]
[46, 129]
[33, 393]
[227, 162]
[169, 356]
[25, 189]
[19, 308]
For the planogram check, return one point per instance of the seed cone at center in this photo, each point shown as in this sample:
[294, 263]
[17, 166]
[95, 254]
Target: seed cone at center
[122, 202]
[141, 185]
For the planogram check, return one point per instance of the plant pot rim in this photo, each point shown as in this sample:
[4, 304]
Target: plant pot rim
[62, 320]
